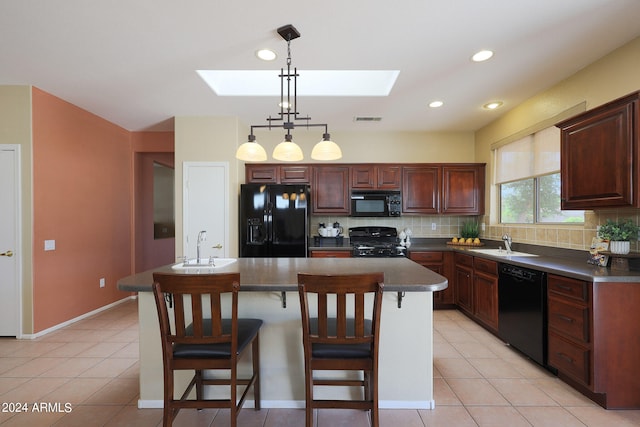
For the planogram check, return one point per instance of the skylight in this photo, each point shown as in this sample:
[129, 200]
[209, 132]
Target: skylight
[310, 82]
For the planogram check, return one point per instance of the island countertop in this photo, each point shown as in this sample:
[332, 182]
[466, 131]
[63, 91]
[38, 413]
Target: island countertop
[280, 274]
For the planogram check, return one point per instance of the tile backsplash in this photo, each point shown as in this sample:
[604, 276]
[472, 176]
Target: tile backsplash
[571, 236]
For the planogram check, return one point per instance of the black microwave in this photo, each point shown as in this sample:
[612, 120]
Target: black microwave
[376, 203]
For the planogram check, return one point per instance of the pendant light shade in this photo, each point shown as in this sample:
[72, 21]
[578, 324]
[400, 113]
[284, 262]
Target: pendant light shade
[326, 149]
[288, 151]
[251, 151]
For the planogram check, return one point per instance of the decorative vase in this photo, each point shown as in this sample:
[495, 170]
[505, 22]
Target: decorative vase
[617, 247]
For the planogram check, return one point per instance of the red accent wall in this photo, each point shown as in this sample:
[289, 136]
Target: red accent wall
[82, 190]
[150, 147]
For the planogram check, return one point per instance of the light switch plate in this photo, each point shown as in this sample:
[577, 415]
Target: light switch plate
[49, 245]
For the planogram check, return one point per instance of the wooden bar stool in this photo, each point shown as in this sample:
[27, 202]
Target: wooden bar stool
[342, 337]
[204, 340]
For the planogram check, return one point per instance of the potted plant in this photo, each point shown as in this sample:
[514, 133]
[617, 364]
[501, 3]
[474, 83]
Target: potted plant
[619, 234]
[469, 233]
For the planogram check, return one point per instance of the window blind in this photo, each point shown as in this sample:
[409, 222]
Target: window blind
[533, 155]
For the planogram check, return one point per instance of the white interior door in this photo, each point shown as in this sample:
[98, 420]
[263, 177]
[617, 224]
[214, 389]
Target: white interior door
[205, 208]
[10, 301]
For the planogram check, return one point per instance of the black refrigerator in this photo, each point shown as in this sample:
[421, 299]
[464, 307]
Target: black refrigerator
[274, 220]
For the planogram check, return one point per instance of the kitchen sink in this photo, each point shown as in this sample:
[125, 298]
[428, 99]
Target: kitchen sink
[192, 264]
[501, 252]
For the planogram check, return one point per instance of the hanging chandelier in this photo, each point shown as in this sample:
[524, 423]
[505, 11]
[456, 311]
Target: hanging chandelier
[288, 119]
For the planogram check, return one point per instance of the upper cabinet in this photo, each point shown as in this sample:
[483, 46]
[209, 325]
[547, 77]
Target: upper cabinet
[462, 189]
[330, 190]
[277, 174]
[376, 177]
[427, 188]
[420, 189]
[600, 162]
[443, 189]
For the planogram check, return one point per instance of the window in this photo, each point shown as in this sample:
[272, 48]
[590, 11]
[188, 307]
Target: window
[528, 176]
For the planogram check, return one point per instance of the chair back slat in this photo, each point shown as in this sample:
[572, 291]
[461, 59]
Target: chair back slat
[201, 327]
[349, 291]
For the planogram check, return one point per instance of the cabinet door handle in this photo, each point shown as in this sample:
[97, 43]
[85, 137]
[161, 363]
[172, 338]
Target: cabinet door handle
[565, 318]
[566, 288]
[565, 357]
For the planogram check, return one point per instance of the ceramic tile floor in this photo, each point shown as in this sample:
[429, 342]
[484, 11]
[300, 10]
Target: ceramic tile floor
[86, 374]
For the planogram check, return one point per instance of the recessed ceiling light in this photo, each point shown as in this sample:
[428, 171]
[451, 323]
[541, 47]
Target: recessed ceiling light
[266, 54]
[436, 104]
[492, 105]
[482, 55]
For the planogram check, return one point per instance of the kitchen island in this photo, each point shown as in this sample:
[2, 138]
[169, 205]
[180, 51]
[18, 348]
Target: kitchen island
[269, 292]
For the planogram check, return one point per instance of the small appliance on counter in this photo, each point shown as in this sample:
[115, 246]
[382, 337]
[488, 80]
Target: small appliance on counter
[330, 235]
[380, 242]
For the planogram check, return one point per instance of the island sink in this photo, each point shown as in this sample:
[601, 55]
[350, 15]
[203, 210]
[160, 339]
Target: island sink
[207, 264]
[501, 252]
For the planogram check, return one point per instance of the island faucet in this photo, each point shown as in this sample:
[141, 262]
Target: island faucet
[202, 236]
[507, 242]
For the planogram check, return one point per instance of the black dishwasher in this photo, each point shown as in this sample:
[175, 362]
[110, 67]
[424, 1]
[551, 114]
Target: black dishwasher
[522, 310]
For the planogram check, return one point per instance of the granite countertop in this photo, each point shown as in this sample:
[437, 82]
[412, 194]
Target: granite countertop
[564, 262]
[280, 274]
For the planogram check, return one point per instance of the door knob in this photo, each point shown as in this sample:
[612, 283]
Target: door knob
[8, 253]
[218, 246]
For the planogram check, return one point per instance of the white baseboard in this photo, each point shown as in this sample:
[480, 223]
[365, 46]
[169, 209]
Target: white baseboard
[299, 404]
[76, 319]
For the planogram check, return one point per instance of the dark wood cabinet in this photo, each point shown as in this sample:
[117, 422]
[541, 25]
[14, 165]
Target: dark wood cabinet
[456, 189]
[323, 253]
[441, 263]
[330, 190]
[485, 292]
[464, 282]
[277, 174]
[593, 338]
[420, 189]
[600, 162]
[375, 177]
[463, 189]
[568, 316]
[268, 174]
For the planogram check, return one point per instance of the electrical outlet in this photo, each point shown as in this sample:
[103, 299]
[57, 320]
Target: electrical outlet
[102, 282]
[434, 226]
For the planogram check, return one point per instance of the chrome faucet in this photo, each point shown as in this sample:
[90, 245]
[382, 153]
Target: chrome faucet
[507, 242]
[202, 236]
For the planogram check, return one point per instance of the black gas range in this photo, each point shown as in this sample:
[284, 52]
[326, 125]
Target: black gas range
[376, 242]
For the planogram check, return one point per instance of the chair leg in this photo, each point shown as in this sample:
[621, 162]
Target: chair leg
[167, 411]
[308, 393]
[373, 387]
[256, 371]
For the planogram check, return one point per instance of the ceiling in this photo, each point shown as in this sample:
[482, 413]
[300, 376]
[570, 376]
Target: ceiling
[134, 62]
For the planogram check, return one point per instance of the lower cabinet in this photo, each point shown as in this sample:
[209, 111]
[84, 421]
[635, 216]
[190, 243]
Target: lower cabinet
[485, 292]
[593, 338]
[330, 254]
[464, 282]
[441, 263]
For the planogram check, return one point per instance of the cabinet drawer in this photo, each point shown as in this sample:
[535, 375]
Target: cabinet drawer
[466, 260]
[426, 256]
[571, 288]
[569, 358]
[485, 265]
[569, 319]
[330, 254]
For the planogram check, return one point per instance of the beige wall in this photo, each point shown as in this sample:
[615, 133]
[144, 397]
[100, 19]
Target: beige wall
[611, 77]
[15, 128]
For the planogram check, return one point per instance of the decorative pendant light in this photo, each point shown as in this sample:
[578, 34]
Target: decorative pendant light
[288, 150]
[326, 149]
[251, 151]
